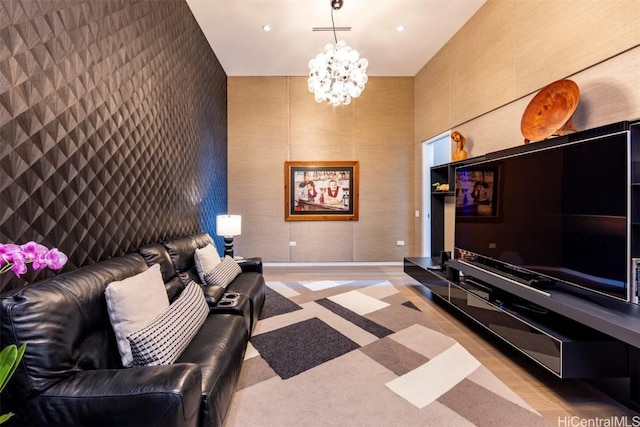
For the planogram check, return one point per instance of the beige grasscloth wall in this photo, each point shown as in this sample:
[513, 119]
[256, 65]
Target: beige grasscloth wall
[482, 80]
[479, 83]
[275, 119]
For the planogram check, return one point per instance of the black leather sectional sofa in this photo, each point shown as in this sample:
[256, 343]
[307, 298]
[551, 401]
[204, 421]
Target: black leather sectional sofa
[72, 374]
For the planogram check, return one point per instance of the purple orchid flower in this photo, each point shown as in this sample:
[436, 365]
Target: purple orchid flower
[16, 257]
[54, 259]
[6, 252]
[34, 252]
[19, 266]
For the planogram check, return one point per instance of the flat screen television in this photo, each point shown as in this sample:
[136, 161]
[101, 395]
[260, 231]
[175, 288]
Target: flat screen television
[558, 215]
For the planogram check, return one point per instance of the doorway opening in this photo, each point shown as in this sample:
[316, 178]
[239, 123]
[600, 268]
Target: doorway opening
[435, 151]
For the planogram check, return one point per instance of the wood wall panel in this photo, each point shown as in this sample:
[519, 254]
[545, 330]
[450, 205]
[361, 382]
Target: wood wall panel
[258, 123]
[555, 39]
[482, 71]
[608, 93]
[262, 102]
[496, 130]
[396, 124]
[479, 83]
[315, 124]
[386, 195]
[322, 241]
[510, 49]
[432, 103]
[323, 152]
[249, 178]
[527, 45]
[376, 130]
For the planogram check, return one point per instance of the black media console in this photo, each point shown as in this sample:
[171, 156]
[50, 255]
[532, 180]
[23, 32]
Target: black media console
[570, 335]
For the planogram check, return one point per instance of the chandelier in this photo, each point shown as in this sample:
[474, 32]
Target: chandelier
[337, 74]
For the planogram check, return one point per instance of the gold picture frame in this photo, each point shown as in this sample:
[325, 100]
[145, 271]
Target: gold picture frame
[321, 191]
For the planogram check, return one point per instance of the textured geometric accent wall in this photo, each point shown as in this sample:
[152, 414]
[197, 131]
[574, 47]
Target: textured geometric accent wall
[113, 127]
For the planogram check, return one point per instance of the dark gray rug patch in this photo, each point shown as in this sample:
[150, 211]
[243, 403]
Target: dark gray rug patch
[485, 408]
[275, 304]
[394, 356]
[296, 348]
[364, 323]
[410, 305]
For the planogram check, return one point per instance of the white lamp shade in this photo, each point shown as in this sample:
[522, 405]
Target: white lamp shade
[228, 225]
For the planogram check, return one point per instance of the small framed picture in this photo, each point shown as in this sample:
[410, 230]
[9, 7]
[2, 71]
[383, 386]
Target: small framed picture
[477, 193]
[321, 191]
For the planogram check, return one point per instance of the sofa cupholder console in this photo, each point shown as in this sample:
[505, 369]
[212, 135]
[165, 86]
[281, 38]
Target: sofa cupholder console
[234, 303]
[230, 296]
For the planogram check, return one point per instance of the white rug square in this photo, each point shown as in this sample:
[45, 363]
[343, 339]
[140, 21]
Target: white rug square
[358, 302]
[427, 383]
[380, 290]
[320, 285]
[283, 289]
[250, 352]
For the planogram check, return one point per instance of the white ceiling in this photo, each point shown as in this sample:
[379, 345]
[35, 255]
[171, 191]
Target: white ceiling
[234, 31]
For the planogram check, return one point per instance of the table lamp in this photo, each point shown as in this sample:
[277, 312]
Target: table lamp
[228, 226]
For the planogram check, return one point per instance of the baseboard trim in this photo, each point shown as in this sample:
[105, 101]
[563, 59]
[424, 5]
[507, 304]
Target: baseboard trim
[329, 264]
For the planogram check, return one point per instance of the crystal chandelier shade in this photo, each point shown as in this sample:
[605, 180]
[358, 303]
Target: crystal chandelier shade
[337, 74]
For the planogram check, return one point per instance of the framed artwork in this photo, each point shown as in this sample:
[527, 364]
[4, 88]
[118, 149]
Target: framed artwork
[321, 191]
[477, 193]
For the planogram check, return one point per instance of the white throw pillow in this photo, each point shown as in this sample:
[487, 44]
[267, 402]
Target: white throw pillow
[133, 303]
[206, 260]
[223, 273]
[166, 337]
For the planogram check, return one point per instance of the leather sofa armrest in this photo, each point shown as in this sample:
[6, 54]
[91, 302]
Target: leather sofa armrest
[138, 396]
[251, 264]
[213, 294]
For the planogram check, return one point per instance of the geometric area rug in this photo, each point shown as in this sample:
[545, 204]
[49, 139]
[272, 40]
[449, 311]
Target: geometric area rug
[357, 353]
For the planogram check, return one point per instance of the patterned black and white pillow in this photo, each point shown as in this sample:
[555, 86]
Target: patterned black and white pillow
[165, 338]
[223, 273]
[206, 259]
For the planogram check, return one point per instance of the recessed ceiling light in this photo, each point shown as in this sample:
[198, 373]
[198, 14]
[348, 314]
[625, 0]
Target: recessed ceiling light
[266, 27]
[400, 28]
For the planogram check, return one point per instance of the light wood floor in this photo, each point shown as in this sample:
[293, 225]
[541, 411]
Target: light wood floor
[555, 399]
